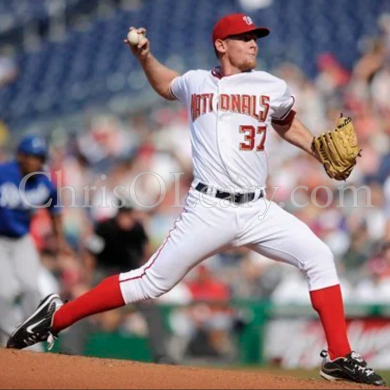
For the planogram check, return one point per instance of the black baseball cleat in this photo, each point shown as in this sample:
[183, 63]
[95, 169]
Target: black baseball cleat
[38, 327]
[350, 368]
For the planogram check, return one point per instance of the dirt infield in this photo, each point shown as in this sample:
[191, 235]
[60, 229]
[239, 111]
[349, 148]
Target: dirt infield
[26, 370]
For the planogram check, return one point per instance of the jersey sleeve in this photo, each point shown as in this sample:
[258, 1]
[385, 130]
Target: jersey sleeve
[180, 87]
[282, 106]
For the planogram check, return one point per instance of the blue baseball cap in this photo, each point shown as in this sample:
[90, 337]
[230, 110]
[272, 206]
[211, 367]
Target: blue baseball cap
[32, 145]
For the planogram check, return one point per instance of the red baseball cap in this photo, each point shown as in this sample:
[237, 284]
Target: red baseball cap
[236, 24]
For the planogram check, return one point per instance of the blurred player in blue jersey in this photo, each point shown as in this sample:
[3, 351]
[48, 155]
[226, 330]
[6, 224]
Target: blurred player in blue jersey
[19, 258]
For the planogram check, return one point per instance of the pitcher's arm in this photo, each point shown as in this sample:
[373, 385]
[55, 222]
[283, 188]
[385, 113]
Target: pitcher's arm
[158, 75]
[296, 133]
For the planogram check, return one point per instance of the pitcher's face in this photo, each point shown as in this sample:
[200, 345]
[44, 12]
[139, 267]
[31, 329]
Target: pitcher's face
[241, 51]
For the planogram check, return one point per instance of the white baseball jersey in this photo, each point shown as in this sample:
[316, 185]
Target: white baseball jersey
[230, 117]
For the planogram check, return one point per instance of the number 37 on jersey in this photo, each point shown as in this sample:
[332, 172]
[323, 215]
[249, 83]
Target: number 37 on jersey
[253, 137]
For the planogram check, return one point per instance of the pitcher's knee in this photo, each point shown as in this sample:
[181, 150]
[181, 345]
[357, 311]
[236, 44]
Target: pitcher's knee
[325, 253]
[157, 286]
[147, 286]
[320, 268]
[157, 292]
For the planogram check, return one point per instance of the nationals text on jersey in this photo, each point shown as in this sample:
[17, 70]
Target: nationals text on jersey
[252, 105]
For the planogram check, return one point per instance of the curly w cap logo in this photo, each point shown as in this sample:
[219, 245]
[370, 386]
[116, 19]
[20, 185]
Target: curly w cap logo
[247, 20]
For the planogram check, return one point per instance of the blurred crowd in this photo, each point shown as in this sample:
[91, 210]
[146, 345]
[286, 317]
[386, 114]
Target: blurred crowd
[111, 151]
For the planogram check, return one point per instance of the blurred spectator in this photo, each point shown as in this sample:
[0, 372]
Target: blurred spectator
[375, 288]
[332, 78]
[206, 287]
[364, 72]
[358, 251]
[120, 244]
[210, 314]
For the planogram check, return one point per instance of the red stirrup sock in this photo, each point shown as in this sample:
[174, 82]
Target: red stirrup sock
[106, 296]
[328, 302]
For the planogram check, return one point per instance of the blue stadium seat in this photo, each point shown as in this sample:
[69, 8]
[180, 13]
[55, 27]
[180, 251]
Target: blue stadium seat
[93, 65]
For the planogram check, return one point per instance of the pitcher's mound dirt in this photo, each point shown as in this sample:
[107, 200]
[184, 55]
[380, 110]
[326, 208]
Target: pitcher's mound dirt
[27, 370]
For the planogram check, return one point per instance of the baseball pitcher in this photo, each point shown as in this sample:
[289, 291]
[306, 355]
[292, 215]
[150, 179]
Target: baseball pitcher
[232, 108]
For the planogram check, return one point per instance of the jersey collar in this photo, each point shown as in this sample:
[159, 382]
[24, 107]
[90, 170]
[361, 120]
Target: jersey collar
[216, 72]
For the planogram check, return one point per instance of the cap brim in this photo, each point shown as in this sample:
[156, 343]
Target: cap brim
[32, 154]
[261, 32]
[41, 156]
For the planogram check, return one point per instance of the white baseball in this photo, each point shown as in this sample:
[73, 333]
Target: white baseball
[134, 37]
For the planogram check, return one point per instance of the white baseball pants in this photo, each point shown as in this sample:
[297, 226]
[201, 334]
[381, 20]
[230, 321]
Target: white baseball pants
[203, 231]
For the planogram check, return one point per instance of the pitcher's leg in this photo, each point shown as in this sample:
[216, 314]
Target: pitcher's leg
[196, 236]
[190, 241]
[285, 238]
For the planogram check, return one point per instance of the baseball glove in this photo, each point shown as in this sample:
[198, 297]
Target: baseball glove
[338, 149]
